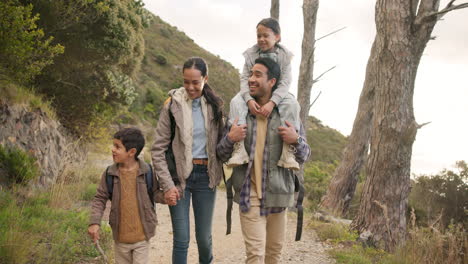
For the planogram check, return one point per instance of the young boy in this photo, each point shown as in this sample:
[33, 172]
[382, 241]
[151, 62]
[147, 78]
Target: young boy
[132, 216]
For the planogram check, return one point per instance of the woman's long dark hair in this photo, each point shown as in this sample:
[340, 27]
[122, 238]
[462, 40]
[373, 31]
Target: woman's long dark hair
[211, 98]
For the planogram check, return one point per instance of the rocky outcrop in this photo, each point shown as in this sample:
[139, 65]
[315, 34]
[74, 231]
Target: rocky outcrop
[40, 135]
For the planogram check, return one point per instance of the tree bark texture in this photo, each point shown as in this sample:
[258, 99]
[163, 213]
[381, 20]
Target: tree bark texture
[343, 184]
[306, 69]
[397, 50]
[274, 10]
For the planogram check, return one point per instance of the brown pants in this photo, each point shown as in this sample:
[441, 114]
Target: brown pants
[136, 253]
[263, 235]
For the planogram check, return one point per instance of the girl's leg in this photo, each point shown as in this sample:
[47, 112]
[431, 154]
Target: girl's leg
[203, 206]
[289, 110]
[238, 109]
[181, 228]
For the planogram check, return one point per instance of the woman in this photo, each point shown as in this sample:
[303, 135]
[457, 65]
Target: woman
[197, 113]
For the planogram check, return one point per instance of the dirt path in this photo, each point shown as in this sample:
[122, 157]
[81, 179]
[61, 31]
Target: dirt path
[230, 249]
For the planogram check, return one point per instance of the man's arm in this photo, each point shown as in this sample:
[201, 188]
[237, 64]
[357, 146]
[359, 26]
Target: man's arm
[290, 136]
[231, 135]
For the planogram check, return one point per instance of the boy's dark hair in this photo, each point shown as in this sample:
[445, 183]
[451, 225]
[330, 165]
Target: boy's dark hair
[131, 138]
[274, 70]
[272, 24]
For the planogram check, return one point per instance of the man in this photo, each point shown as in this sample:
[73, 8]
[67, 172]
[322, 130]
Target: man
[262, 189]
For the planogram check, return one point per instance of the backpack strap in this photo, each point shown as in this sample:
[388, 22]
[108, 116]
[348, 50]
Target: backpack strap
[149, 183]
[109, 183]
[229, 196]
[300, 209]
[148, 180]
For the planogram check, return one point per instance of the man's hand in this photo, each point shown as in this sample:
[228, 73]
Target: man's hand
[266, 109]
[254, 107]
[171, 196]
[288, 134]
[237, 132]
[93, 232]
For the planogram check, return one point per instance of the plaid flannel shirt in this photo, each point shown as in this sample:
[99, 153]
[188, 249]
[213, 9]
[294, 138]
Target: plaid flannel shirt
[225, 149]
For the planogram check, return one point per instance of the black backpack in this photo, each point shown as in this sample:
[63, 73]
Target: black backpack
[148, 180]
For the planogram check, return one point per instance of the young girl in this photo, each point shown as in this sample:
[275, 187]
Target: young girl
[268, 38]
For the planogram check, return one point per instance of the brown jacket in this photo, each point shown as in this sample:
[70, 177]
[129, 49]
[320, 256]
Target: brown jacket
[181, 108]
[146, 209]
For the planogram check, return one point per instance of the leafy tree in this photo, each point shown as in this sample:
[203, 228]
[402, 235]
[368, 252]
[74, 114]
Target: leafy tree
[104, 47]
[446, 193]
[24, 49]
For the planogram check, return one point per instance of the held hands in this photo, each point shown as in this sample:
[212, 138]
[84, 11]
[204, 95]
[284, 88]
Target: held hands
[93, 232]
[171, 196]
[288, 134]
[237, 132]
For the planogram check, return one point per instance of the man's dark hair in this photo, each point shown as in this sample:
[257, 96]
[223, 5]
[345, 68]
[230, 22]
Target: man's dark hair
[131, 138]
[274, 70]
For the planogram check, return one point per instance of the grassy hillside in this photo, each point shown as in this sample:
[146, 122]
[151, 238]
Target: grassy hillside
[166, 49]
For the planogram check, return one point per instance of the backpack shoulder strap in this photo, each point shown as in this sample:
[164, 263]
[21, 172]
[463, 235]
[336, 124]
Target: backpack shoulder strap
[109, 183]
[300, 210]
[149, 183]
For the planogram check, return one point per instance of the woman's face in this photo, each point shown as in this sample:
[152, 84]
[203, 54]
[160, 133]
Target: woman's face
[194, 82]
[266, 38]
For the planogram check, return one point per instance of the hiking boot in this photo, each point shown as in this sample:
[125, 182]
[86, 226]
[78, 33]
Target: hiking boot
[287, 159]
[239, 155]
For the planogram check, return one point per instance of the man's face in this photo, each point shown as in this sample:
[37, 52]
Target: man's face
[259, 85]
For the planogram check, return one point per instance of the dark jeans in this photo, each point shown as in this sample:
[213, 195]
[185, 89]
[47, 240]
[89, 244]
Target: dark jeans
[203, 204]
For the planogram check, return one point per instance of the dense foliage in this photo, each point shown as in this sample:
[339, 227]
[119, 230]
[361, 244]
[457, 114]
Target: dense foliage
[104, 46]
[24, 48]
[18, 166]
[443, 196]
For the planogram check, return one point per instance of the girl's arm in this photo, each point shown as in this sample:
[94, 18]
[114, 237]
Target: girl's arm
[284, 84]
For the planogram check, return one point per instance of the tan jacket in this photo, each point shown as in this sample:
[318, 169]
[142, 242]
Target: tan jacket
[146, 209]
[181, 108]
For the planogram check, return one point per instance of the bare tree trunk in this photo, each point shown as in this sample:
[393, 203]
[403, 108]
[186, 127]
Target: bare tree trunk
[306, 70]
[343, 184]
[274, 10]
[402, 35]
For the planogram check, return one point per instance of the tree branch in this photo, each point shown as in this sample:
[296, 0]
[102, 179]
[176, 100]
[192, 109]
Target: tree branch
[423, 124]
[310, 106]
[329, 34]
[448, 8]
[325, 72]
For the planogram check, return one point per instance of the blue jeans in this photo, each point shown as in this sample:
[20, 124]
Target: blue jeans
[203, 204]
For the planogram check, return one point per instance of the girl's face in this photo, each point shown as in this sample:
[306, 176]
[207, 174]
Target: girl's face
[194, 82]
[266, 38]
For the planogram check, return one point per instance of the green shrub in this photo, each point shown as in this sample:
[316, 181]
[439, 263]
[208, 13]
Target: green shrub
[24, 49]
[20, 167]
[160, 59]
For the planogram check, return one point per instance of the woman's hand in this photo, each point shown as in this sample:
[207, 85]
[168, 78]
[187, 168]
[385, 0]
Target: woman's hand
[171, 196]
[237, 132]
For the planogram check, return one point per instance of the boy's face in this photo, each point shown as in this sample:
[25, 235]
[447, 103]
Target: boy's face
[120, 154]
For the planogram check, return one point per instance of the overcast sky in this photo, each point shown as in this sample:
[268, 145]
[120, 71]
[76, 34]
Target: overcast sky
[227, 27]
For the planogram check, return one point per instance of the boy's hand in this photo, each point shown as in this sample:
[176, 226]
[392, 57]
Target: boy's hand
[267, 108]
[237, 132]
[254, 107]
[171, 196]
[288, 133]
[93, 232]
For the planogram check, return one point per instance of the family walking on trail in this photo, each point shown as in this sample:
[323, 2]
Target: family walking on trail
[263, 141]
